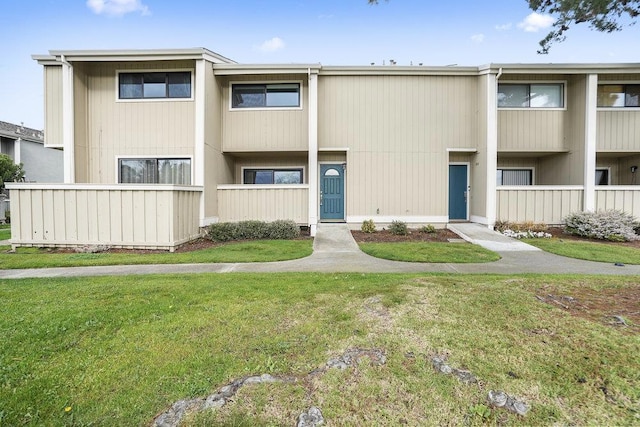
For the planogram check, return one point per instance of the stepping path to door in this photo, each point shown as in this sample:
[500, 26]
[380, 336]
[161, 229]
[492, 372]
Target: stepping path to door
[335, 251]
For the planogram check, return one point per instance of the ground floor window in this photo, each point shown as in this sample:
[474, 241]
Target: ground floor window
[515, 177]
[602, 176]
[154, 171]
[273, 176]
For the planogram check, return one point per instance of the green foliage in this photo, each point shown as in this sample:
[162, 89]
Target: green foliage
[524, 227]
[253, 230]
[429, 229]
[613, 225]
[602, 15]
[9, 171]
[480, 410]
[398, 228]
[368, 226]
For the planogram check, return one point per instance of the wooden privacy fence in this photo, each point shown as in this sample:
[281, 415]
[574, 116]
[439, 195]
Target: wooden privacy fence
[128, 216]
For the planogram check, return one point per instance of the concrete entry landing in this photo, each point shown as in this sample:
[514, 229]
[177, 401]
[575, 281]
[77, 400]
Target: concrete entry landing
[334, 237]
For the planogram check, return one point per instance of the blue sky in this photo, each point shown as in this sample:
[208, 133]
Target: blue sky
[332, 32]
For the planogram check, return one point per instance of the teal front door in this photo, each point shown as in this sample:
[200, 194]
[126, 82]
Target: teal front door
[332, 192]
[458, 192]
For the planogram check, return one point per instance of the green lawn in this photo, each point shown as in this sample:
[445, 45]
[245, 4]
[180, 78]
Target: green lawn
[118, 351]
[253, 251]
[5, 232]
[429, 252]
[590, 251]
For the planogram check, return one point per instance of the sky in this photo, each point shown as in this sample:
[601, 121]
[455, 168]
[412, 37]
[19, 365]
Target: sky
[330, 32]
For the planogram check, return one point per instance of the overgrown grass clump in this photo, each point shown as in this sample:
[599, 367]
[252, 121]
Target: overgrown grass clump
[253, 230]
[105, 351]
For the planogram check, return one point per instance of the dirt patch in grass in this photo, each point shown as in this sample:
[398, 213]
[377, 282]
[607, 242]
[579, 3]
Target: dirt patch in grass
[382, 236]
[618, 308]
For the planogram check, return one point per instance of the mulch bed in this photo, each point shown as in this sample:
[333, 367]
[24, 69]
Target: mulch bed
[441, 235]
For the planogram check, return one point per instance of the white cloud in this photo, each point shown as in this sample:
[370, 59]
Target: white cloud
[117, 7]
[477, 38]
[536, 22]
[504, 27]
[272, 45]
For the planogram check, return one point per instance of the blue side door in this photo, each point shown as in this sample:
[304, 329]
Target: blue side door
[458, 178]
[332, 192]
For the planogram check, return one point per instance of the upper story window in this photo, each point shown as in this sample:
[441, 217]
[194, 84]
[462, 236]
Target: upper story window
[273, 176]
[156, 85]
[276, 95]
[531, 95]
[154, 171]
[619, 95]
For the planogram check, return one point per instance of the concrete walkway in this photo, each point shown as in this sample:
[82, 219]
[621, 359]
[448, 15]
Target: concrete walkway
[335, 251]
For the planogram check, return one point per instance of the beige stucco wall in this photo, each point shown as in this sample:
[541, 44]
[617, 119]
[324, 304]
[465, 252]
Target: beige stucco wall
[128, 128]
[53, 105]
[397, 130]
[271, 129]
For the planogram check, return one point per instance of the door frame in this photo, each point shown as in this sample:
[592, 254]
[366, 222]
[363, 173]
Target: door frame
[468, 165]
[344, 189]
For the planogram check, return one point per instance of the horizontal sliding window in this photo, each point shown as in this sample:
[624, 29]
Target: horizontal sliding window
[155, 171]
[619, 95]
[154, 85]
[281, 95]
[515, 177]
[273, 176]
[539, 95]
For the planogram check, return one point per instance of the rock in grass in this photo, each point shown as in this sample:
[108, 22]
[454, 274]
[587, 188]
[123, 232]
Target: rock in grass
[312, 418]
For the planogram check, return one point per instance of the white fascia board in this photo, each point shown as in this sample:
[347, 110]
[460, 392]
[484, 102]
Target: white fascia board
[108, 187]
[135, 55]
[592, 68]
[398, 70]
[245, 69]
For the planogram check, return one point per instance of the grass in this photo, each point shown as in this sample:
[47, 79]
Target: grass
[5, 232]
[590, 251]
[253, 251]
[429, 252]
[118, 351]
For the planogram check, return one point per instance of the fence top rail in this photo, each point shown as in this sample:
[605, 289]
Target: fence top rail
[263, 187]
[618, 188]
[539, 187]
[103, 187]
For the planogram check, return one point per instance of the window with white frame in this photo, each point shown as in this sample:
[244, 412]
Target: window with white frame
[514, 176]
[618, 95]
[269, 95]
[154, 171]
[154, 85]
[531, 95]
[273, 176]
[602, 176]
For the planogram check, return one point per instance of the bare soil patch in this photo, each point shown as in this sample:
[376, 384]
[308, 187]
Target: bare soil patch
[618, 307]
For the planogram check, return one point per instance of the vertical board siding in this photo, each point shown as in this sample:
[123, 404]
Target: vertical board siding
[397, 130]
[53, 106]
[112, 128]
[548, 206]
[266, 129]
[267, 203]
[531, 130]
[625, 199]
[154, 218]
[618, 130]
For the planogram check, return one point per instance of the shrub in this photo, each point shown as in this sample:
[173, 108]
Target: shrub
[427, 229]
[223, 231]
[253, 230]
[368, 226]
[398, 228]
[607, 225]
[282, 229]
[520, 227]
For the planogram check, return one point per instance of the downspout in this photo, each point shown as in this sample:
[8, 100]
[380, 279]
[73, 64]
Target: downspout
[68, 122]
